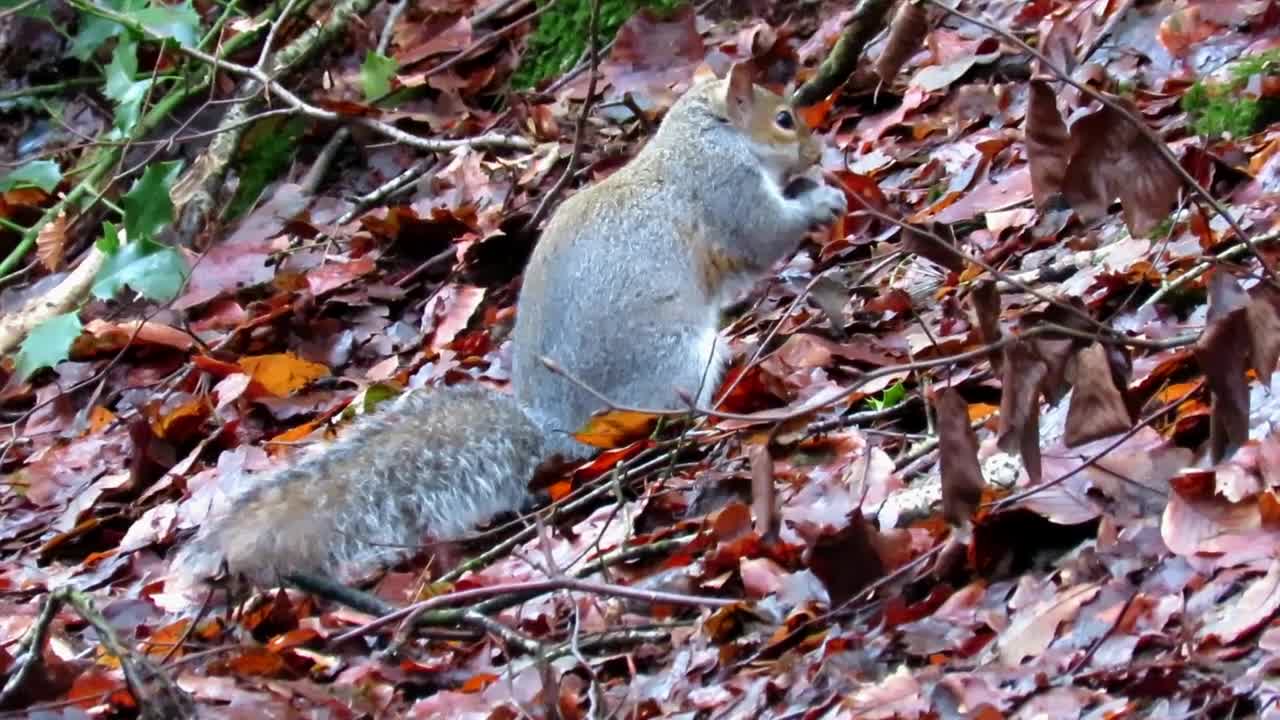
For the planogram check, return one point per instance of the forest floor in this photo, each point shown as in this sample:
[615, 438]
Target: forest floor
[999, 444]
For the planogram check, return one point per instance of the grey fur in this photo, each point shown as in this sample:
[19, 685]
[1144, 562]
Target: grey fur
[625, 290]
[629, 243]
[372, 496]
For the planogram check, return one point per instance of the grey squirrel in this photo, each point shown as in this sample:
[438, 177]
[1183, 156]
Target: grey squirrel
[624, 290]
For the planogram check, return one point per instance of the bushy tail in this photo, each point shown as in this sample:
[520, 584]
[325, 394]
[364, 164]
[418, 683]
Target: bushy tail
[436, 463]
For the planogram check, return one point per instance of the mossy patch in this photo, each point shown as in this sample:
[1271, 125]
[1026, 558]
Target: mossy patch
[560, 37]
[1218, 109]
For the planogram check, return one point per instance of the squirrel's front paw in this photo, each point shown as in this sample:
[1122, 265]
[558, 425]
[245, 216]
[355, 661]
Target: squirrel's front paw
[826, 204]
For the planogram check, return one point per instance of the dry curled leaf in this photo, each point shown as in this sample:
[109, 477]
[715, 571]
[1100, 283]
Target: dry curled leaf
[51, 243]
[764, 503]
[1219, 353]
[1097, 407]
[1024, 372]
[986, 309]
[906, 35]
[962, 480]
[1112, 159]
[1048, 145]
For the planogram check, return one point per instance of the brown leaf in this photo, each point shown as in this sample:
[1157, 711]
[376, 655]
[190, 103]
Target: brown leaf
[651, 53]
[1097, 407]
[1253, 608]
[51, 243]
[764, 502]
[906, 35]
[1033, 629]
[986, 309]
[1263, 319]
[846, 561]
[962, 481]
[1020, 405]
[1112, 159]
[1219, 353]
[1048, 145]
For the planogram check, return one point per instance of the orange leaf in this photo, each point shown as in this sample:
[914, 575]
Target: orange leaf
[281, 374]
[51, 243]
[478, 682]
[615, 428]
[257, 661]
[99, 418]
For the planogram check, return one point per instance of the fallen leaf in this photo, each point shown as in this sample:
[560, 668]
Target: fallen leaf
[962, 481]
[281, 374]
[1097, 407]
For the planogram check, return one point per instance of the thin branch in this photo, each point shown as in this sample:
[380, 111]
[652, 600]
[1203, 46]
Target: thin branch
[533, 587]
[579, 130]
[823, 401]
[1009, 500]
[486, 141]
[1106, 31]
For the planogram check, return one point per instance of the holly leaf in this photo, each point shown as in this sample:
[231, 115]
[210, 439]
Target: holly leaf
[48, 344]
[153, 270]
[121, 86]
[376, 74]
[44, 174]
[178, 22]
[147, 206]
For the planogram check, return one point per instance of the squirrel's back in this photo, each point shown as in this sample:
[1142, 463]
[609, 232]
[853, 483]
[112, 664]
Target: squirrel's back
[437, 462]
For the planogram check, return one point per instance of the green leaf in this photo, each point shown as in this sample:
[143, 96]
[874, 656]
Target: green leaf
[892, 396]
[376, 74]
[153, 270]
[121, 87]
[94, 31]
[122, 69]
[110, 241]
[266, 151]
[44, 174]
[179, 22]
[48, 344]
[147, 206]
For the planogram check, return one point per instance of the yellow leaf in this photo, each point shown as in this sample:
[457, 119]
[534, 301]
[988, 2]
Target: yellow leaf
[616, 428]
[282, 373]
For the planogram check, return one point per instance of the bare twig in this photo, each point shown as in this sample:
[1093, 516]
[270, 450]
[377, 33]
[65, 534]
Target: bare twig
[534, 587]
[168, 700]
[1202, 267]
[488, 140]
[579, 130]
[1106, 31]
[828, 400]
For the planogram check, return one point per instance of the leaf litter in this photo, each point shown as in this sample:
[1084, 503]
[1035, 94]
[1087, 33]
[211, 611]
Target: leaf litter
[1101, 538]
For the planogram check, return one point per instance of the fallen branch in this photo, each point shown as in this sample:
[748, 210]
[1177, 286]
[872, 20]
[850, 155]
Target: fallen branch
[867, 20]
[157, 696]
[63, 298]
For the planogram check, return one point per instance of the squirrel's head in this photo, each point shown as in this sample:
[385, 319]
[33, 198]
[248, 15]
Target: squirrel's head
[776, 132]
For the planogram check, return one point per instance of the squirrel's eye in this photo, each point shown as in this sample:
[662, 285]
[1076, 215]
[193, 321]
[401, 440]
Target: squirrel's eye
[785, 120]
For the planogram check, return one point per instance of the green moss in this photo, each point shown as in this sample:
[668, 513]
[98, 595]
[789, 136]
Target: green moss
[1217, 109]
[560, 37]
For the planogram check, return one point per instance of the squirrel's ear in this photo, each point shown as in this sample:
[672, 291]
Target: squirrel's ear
[739, 92]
